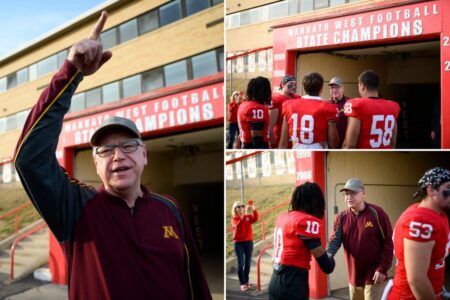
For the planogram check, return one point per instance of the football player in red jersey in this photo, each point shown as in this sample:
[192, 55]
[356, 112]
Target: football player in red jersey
[288, 87]
[253, 115]
[309, 122]
[372, 122]
[421, 240]
[296, 236]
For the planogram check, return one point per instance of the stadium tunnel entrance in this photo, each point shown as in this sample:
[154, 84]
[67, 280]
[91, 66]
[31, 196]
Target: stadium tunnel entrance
[189, 167]
[406, 42]
[409, 74]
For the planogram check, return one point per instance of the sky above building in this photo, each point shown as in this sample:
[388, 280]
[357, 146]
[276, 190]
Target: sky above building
[22, 21]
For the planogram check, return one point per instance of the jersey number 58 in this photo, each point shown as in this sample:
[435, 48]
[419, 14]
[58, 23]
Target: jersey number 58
[384, 134]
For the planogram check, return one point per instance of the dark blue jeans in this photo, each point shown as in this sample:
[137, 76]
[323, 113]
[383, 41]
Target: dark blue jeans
[244, 252]
[233, 129]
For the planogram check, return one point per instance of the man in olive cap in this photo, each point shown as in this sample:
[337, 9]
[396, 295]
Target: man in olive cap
[121, 241]
[366, 233]
[336, 86]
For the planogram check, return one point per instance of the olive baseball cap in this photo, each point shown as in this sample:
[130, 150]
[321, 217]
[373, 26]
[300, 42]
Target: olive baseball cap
[115, 123]
[336, 81]
[353, 184]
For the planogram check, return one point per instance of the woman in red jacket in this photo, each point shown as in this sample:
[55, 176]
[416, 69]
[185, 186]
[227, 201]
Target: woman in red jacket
[233, 127]
[243, 239]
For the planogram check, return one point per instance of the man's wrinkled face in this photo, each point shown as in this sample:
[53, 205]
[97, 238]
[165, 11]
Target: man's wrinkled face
[354, 199]
[336, 92]
[290, 88]
[120, 160]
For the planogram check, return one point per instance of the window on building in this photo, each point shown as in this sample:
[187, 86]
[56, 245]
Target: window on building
[11, 80]
[109, 38]
[294, 7]
[175, 73]
[77, 102]
[93, 97]
[128, 31]
[11, 122]
[22, 117]
[148, 22]
[279, 9]
[306, 5]
[61, 56]
[318, 4]
[111, 92]
[152, 80]
[2, 124]
[336, 2]
[2, 84]
[47, 65]
[234, 20]
[170, 12]
[245, 18]
[255, 15]
[33, 72]
[131, 86]
[214, 2]
[22, 76]
[193, 6]
[204, 64]
[220, 58]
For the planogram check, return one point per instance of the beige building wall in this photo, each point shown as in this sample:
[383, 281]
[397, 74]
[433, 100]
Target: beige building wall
[390, 180]
[135, 56]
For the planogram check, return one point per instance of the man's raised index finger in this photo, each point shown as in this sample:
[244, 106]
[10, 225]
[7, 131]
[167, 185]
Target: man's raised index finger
[95, 33]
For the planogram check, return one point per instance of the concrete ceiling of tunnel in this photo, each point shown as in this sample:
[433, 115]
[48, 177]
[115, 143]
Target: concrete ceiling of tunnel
[426, 48]
[205, 140]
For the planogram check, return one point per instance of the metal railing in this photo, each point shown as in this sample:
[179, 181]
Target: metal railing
[258, 265]
[16, 212]
[267, 211]
[20, 238]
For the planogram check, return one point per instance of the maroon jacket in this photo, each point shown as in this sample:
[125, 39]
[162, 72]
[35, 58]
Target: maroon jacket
[341, 123]
[112, 251]
[367, 239]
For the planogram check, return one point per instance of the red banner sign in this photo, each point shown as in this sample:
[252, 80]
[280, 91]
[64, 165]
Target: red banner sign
[406, 22]
[173, 111]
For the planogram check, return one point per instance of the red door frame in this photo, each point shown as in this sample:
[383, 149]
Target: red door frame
[68, 143]
[431, 25]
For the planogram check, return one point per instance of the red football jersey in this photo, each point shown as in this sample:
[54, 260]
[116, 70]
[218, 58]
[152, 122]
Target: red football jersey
[308, 120]
[252, 112]
[289, 249]
[277, 102]
[378, 118]
[421, 225]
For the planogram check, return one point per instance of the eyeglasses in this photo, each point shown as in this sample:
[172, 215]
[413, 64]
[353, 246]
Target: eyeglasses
[240, 206]
[350, 193]
[125, 146]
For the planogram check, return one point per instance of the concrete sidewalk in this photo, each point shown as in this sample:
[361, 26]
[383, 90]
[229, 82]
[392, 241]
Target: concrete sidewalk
[234, 293]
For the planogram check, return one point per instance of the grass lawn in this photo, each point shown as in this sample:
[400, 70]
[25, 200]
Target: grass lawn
[12, 195]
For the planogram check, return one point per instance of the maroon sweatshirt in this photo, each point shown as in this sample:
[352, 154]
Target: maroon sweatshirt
[112, 251]
[367, 239]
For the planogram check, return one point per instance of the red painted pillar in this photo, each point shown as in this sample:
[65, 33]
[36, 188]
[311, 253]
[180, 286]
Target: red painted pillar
[445, 75]
[283, 60]
[310, 166]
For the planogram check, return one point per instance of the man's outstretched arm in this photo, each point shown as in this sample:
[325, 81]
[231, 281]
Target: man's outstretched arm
[57, 197]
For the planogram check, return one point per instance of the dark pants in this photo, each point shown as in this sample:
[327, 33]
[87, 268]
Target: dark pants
[233, 129]
[244, 252]
[289, 283]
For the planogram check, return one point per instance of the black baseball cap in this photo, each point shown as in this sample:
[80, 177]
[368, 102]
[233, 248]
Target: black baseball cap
[288, 78]
[115, 123]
